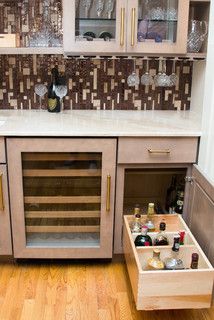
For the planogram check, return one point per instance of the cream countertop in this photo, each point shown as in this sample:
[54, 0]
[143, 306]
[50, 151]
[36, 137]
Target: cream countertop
[99, 123]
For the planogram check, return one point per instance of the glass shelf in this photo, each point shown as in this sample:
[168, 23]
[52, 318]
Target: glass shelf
[95, 19]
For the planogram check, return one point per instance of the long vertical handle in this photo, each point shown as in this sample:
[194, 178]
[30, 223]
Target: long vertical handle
[122, 26]
[108, 196]
[133, 25]
[1, 193]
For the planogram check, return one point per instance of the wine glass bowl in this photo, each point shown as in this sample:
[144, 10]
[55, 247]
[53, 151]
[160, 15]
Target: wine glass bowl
[61, 91]
[109, 8]
[133, 80]
[99, 7]
[40, 90]
[86, 4]
[146, 78]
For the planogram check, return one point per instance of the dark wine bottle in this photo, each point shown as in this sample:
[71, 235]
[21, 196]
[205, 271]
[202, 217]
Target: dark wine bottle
[171, 194]
[53, 100]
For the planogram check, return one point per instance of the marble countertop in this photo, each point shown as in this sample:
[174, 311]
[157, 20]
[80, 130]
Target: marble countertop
[99, 123]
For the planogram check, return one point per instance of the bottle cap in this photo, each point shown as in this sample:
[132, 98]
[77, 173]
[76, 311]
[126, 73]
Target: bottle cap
[137, 215]
[162, 226]
[151, 205]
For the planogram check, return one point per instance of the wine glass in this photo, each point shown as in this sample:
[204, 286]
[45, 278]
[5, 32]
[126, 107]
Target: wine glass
[173, 78]
[109, 7]
[99, 7]
[87, 5]
[162, 79]
[40, 89]
[146, 78]
[133, 79]
[61, 91]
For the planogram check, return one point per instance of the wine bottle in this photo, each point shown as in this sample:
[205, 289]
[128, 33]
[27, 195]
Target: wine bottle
[171, 194]
[53, 100]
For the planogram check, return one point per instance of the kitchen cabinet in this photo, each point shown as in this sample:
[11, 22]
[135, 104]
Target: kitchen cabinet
[93, 31]
[145, 170]
[133, 27]
[62, 197]
[144, 177]
[5, 229]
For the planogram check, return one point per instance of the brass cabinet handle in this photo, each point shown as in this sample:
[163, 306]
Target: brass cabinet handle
[122, 26]
[165, 151]
[1, 193]
[108, 197]
[133, 22]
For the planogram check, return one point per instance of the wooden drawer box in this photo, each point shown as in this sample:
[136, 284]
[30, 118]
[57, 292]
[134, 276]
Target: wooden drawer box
[168, 289]
[2, 151]
[157, 150]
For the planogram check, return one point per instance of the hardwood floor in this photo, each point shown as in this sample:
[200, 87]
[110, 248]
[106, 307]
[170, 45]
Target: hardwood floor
[72, 291]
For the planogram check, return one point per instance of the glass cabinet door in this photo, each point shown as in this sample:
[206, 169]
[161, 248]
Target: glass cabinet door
[62, 199]
[158, 26]
[62, 194]
[94, 26]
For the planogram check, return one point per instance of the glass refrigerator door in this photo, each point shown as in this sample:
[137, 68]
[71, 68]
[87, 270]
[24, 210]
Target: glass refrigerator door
[62, 199]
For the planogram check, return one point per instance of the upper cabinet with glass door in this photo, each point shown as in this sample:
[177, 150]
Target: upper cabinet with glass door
[157, 26]
[94, 26]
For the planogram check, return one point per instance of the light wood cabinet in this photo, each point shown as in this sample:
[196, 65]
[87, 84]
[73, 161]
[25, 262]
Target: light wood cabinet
[5, 230]
[134, 27]
[62, 197]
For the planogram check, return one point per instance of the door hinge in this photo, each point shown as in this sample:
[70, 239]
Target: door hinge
[189, 179]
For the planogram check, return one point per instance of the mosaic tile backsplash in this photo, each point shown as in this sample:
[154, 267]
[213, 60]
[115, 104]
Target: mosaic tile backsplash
[92, 83]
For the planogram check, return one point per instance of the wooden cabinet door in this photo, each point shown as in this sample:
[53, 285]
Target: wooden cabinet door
[94, 29]
[201, 218]
[157, 26]
[62, 197]
[5, 230]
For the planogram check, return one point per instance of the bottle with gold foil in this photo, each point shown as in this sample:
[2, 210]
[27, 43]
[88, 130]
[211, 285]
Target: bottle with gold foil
[53, 99]
[151, 212]
[155, 263]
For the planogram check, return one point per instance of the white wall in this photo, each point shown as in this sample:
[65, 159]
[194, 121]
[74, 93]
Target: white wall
[206, 153]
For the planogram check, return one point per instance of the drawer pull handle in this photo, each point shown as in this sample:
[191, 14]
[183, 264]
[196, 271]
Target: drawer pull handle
[108, 197]
[133, 26]
[122, 26]
[166, 151]
[1, 193]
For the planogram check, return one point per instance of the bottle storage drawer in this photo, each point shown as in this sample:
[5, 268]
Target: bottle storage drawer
[157, 150]
[168, 289]
[2, 151]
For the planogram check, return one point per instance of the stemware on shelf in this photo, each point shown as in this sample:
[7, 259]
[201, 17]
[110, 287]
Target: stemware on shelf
[99, 7]
[86, 4]
[173, 78]
[61, 91]
[197, 34]
[162, 79]
[40, 89]
[146, 78]
[133, 79]
[109, 8]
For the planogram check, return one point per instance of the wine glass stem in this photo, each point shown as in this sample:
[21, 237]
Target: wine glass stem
[40, 102]
[61, 103]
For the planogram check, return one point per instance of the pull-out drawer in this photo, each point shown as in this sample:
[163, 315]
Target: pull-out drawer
[168, 289]
[157, 150]
[2, 151]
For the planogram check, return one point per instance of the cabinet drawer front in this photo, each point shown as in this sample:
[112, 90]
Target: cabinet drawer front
[157, 290]
[2, 151]
[157, 150]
